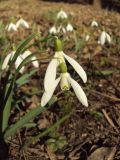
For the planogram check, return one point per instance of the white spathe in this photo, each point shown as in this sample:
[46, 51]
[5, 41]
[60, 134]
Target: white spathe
[69, 27]
[65, 82]
[11, 27]
[53, 30]
[104, 37]
[94, 23]
[62, 15]
[22, 23]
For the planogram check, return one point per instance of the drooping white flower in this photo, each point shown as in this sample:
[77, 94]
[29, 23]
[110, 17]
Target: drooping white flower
[62, 15]
[94, 23]
[65, 82]
[87, 38]
[104, 37]
[53, 30]
[19, 60]
[22, 23]
[11, 27]
[69, 27]
[61, 29]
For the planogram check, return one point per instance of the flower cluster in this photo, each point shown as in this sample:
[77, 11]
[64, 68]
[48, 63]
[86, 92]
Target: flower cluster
[104, 36]
[65, 79]
[63, 27]
[20, 23]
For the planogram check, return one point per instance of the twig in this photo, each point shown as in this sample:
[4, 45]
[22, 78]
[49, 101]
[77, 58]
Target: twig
[109, 120]
[106, 96]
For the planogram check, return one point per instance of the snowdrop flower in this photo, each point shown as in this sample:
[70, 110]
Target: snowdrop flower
[19, 60]
[69, 27]
[61, 28]
[87, 38]
[50, 81]
[94, 24]
[53, 30]
[9, 57]
[22, 23]
[11, 27]
[62, 15]
[104, 37]
[33, 58]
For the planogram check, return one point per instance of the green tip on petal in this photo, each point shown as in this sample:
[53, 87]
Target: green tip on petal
[58, 45]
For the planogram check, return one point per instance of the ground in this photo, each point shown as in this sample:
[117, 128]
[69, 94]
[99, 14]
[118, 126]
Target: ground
[90, 133]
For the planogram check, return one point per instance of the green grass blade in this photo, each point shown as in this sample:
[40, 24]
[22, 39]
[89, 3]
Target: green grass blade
[6, 113]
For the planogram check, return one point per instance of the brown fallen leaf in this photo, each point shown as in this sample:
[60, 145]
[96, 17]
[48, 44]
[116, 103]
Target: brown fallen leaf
[102, 153]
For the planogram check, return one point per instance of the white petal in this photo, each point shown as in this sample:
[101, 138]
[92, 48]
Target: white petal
[62, 15]
[53, 30]
[18, 62]
[26, 54]
[77, 68]
[6, 60]
[108, 38]
[50, 74]
[22, 23]
[69, 27]
[11, 27]
[47, 95]
[35, 62]
[78, 91]
[102, 38]
[94, 24]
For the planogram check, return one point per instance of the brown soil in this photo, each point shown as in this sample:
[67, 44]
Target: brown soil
[88, 129]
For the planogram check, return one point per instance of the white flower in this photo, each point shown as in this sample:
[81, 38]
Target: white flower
[65, 82]
[62, 15]
[94, 24]
[19, 60]
[87, 38]
[104, 37]
[50, 81]
[61, 28]
[22, 23]
[69, 27]
[9, 57]
[11, 27]
[53, 30]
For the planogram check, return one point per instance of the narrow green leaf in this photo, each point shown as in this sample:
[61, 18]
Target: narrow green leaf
[24, 79]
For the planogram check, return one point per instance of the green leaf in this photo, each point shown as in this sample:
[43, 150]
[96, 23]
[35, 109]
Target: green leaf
[25, 119]
[24, 79]
[105, 72]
